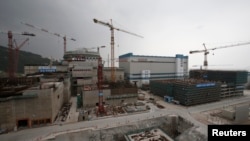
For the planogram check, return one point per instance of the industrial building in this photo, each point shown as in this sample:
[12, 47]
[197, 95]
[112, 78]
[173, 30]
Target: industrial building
[141, 69]
[203, 86]
[232, 82]
[30, 102]
[119, 74]
[81, 65]
[186, 91]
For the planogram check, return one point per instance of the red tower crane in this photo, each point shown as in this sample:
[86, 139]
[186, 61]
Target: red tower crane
[206, 51]
[112, 28]
[17, 48]
[11, 63]
[101, 109]
[56, 34]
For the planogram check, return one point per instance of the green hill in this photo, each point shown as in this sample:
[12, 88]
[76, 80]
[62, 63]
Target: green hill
[25, 58]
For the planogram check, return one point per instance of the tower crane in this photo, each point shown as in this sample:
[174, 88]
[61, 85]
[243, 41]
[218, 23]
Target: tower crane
[101, 109]
[56, 34]
[17, 48]
[11, 63]
[206, 51]
[112, 28]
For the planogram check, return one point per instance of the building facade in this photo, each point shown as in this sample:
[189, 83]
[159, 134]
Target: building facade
[33, 107]
[232, 81]
[82, 65]
[141, 69]
[119, 74]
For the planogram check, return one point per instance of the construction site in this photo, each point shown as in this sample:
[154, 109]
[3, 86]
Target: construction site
[80, 99]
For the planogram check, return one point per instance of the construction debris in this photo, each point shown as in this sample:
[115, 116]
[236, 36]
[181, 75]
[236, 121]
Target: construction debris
[149, 135]
[63, 113]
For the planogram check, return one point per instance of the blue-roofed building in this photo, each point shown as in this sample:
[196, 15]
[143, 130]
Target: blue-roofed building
[140, 69]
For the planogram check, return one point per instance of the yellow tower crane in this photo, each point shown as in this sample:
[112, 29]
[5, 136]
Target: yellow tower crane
[56, 34]
[112, 28]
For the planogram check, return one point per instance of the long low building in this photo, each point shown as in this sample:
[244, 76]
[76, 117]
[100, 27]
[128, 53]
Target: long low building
[142, 69]
[187, 91]
[232, 81]
[203, 86]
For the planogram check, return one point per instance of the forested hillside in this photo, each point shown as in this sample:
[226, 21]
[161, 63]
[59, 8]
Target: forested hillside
[24, 59]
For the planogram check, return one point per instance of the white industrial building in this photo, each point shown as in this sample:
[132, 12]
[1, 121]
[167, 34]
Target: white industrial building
[83, 65]
[141, 69]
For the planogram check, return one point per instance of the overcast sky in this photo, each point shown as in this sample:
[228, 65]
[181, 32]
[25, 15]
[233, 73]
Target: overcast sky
[169, 27]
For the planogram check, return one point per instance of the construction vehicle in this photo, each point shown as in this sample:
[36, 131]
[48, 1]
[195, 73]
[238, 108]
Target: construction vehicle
[56, 34]
[206, 51]
[13, 56]
[112, 28]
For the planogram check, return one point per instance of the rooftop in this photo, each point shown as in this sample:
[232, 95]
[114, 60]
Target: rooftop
[131, 55]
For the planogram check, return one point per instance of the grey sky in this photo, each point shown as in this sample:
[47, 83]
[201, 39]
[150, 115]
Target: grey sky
[169, 27]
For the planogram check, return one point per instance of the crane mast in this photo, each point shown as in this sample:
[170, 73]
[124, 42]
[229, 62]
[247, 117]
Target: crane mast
[11, 55]
[17, 48]
[101, 109]
[112, 44]
[11, 60]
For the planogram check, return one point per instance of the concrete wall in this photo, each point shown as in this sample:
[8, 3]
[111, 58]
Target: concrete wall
[90, 98]
[57, 99]
[83, 71]
[241, 113]
[44, 105]
[29, 108]
[86, 81]
[228, 114]
[119, 75]
[66, 90]
[82, 63]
